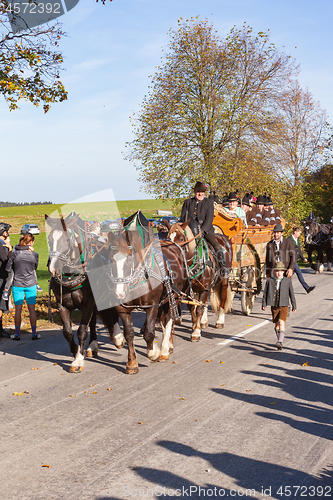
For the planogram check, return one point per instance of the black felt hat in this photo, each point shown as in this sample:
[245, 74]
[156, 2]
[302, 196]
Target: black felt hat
[261, 200]
[225, 200]
[278, 228]
[247, 199]
[200, 187]
[233, 196]
[269, 201]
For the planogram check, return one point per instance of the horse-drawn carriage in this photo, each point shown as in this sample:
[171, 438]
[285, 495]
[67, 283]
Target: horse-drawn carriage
[249, 254]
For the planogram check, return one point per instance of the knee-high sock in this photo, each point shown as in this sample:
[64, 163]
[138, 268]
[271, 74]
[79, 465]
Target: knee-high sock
[280, 336]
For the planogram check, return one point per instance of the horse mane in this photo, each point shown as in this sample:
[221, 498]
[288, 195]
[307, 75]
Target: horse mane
[186, 231]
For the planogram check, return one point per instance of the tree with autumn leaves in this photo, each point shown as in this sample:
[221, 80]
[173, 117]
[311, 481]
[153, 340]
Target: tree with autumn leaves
[228, 111]
[30, 63]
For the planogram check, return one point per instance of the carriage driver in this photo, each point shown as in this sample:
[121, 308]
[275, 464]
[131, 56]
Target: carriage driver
[200, 211]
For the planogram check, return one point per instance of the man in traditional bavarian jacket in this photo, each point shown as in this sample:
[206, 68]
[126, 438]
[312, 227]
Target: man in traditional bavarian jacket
[258, 215]
[200, 211]
[280, 249]
[273, 214]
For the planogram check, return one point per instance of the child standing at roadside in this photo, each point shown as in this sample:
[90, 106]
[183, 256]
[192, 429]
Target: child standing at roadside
[278, 291]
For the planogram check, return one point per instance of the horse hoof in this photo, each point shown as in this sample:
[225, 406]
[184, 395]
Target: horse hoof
[120, 346]
[164, 357]
[170, 350]
[219, 325]
[89, 353]
[72, 369]
[132, 370]
[195, 339]
[204, 325]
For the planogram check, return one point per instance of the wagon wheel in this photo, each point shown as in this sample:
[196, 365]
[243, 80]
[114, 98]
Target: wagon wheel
[247, 298]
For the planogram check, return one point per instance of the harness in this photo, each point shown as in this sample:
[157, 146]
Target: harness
[144, 271]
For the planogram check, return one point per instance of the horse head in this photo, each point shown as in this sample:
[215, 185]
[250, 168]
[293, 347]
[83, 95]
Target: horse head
[126, 254]
[64, 244]
[311, 229]
[182, 234]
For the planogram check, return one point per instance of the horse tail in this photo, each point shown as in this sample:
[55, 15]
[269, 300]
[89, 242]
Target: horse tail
[229, 299]
[215, 298]
[218, 300]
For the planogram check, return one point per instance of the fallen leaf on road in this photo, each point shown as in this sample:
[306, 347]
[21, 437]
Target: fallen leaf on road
[222, 385]
[174, 362]
[85, 392]
[181, 398]
[208, 360]
[305, 364]
[18, 394]
[91, 385]
[109, 389]
[221, 362]
[47, 466]
[35, 368]
[140, 423]
[72, 396]
[248, 390]
[272, 403]
[54, 364]
[95, 392]
[248, 325]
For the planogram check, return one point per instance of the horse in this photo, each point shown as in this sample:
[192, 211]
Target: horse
[68, 244]
[318, 237]
[204, 276]
[147, 276]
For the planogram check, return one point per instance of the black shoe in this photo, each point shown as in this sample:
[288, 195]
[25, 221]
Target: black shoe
[309, 290]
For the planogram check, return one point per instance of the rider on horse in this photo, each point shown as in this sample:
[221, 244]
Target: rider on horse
[200, 211]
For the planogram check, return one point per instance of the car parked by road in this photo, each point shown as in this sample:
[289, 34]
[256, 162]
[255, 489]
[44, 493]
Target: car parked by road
[30, 228]
[112, 224]
[172, 219]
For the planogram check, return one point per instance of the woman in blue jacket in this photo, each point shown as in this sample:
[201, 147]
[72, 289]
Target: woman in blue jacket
[23, 263]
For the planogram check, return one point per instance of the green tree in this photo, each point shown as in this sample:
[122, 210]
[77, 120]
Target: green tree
[30, 63]
[211, 106]
[302, 142]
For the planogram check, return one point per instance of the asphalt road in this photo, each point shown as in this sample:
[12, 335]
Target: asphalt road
[228, 417]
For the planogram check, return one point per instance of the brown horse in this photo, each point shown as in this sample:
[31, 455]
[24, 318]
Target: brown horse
[145, 277]
[205, 277]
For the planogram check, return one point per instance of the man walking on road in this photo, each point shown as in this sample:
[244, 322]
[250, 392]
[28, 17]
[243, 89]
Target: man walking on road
[280, 249]
[294, 238]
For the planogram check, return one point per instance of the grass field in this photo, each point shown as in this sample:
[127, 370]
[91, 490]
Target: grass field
[17, 216]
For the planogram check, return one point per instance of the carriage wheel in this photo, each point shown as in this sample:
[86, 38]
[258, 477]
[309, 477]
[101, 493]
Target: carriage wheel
[247, 298]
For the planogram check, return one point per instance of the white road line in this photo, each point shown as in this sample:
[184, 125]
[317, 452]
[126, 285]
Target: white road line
[244, 332]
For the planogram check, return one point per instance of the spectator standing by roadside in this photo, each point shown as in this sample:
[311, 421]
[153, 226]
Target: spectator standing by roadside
[24, 261]
[5, 252]
[278, 291]
[280, 249]
[294, 238]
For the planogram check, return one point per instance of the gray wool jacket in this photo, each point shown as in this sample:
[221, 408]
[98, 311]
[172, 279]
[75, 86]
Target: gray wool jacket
[286, 293]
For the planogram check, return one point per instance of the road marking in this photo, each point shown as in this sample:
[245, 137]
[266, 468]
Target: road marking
[245, 332]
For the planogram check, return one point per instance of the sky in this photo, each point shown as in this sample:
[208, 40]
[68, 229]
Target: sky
[77, 148]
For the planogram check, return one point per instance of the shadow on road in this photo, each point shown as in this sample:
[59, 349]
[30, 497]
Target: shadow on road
[248, 474]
